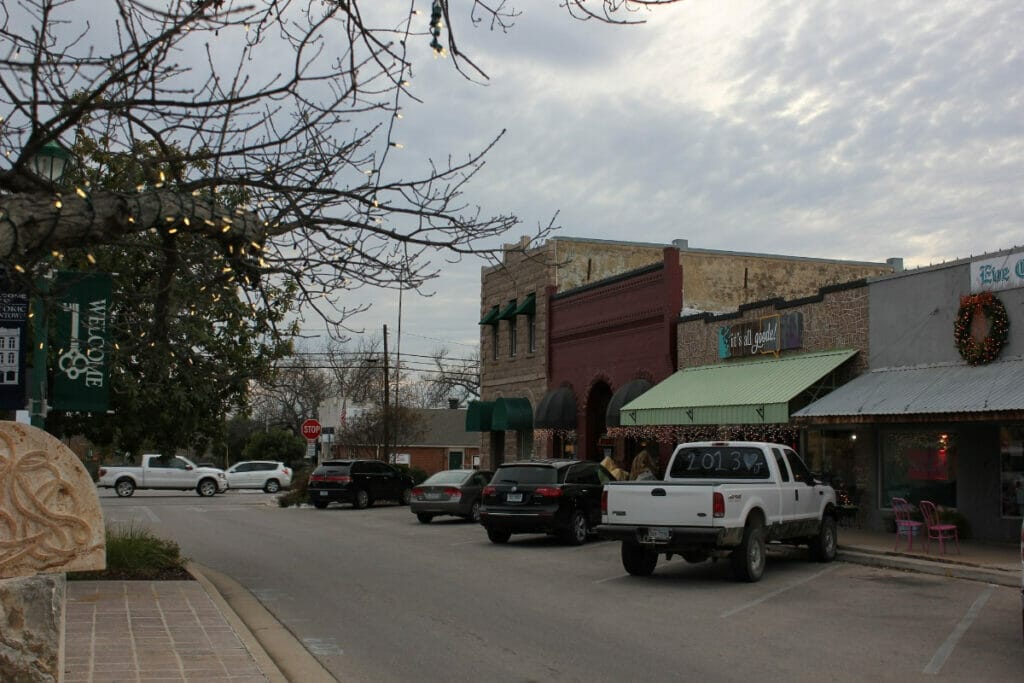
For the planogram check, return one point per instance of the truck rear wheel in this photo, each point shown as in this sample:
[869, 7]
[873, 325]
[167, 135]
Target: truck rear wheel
[748, 557]
[638, 560]
[823, 546]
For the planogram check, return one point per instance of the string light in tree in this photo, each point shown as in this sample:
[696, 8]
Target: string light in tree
[436, 24]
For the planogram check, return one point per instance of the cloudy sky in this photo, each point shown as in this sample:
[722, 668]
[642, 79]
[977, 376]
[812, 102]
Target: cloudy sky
[824, 128]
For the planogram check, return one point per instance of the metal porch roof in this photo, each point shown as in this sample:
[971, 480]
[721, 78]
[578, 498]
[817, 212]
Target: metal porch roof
[753, 392]
[927, 389]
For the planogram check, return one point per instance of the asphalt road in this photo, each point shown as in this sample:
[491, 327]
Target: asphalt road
[377, 596]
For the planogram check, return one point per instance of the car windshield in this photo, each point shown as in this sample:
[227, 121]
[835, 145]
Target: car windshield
[334, 468]
[449, 477]
[525, 474]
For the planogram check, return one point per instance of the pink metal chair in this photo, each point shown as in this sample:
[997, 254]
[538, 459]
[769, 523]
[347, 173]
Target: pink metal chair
[905, 526]
[937, 530]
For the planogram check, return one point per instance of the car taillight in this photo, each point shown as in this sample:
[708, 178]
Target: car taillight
[453, 493]
[286, 472]
[604, 502]
[548, 491]
[417, 491]
[103, 471]
[336, 478]
[718, 505]
[490, 490]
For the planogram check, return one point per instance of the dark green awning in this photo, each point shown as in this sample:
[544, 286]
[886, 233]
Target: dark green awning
[626, 393]
[509, 312]
[490, 318]
[478, 416]
[528, 306]
[557, 410]
[512, 414]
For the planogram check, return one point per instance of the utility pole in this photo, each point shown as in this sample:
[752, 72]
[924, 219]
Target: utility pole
[387, 395]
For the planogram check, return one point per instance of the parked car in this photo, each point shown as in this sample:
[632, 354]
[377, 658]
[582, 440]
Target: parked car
[163, 472]
[268, 475]
[451, 492]
[359, 482]
[561, 497]
[1022, 577]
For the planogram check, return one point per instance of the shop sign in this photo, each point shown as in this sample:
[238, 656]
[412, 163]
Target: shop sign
[770, 334]
[1001, 272]
[13, 342]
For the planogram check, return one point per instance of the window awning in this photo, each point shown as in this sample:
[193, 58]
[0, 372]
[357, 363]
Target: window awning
[754, 392]
[512, 414]
[490, 318]
[509, 312]
[924, 390]
[478, 416]
[557, 410]
[528, 306]
[626, 393]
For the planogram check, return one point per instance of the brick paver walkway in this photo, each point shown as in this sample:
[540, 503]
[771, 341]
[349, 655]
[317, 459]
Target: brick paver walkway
[152, 632]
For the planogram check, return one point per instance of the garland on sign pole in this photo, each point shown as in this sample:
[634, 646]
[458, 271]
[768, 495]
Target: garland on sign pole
[985, 351]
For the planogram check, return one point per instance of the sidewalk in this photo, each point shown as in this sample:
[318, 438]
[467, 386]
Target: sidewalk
[212, 630]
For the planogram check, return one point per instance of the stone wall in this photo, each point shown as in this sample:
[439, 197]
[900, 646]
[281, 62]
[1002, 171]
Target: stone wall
[50, 523]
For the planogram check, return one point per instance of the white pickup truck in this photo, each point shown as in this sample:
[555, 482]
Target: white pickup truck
[721, 499]
[163, 472]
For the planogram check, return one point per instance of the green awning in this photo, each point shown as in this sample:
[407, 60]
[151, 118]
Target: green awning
[490, 318]
[754, 392]
[509, 312]
[512, 414]
[478, 416]
[528, 306]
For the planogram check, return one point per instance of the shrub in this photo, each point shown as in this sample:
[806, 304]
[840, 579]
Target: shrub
[296, 494]
[135, 553]
[416, 473]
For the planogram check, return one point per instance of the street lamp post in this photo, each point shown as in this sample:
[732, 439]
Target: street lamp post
[51, 162]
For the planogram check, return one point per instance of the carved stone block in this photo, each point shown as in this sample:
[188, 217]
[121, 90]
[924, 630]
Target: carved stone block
[50, 516]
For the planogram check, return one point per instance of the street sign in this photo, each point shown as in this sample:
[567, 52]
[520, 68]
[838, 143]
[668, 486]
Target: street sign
[311, 429]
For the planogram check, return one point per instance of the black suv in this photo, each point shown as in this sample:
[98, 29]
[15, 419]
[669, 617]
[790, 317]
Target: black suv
[560, 497]
[360, 482]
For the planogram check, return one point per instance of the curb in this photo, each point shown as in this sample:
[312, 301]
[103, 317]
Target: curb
[964, 571]
[281, 657]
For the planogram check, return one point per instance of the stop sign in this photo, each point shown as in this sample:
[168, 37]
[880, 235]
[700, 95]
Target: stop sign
[311, 429]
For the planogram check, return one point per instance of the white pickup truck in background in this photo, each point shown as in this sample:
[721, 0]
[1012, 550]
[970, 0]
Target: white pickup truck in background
[163, 472]
[721, 499]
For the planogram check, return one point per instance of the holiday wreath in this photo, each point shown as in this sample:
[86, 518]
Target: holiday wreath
[980, 352]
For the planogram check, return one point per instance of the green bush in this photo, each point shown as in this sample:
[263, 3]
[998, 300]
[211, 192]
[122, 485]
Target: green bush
[416, 473]
[296, 494]
[135, 553]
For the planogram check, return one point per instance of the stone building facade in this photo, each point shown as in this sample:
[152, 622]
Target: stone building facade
[524, 357]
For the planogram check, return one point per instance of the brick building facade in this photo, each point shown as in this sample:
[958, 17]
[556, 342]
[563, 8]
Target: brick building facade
[568, 315]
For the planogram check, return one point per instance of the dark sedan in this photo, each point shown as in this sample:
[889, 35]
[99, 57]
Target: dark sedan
[561, 497]
[451, 492]
[360, 482]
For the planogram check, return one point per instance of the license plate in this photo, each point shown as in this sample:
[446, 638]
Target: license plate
[514, 498]
[323, 493]
[434, 496]
[658, 534]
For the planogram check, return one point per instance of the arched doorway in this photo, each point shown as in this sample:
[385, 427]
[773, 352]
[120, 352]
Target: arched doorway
[597, 407]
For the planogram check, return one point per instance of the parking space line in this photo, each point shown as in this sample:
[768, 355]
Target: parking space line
[943, 653]
[611, 578]
[777, 591]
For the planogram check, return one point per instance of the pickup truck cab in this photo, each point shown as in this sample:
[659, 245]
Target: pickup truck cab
[163, 472]
[721, 499]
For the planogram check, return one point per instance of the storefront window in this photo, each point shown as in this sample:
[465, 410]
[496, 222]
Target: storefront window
[919, 465]
[1011, 459]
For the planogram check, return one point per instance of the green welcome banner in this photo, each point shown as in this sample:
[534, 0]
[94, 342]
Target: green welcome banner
[82, 319]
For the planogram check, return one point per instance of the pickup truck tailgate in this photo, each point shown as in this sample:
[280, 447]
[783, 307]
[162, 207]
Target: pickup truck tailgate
[658, 502]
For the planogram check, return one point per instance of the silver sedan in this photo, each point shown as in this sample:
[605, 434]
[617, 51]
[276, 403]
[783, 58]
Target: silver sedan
[451, 492]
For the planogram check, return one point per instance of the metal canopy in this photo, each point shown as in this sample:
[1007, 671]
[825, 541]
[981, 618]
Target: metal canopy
[754, 392]
[926, 390]
[557, 410]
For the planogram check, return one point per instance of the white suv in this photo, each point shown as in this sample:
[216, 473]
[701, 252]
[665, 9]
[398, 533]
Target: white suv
[260, 474]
